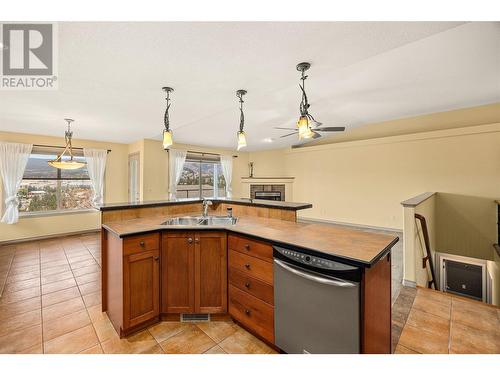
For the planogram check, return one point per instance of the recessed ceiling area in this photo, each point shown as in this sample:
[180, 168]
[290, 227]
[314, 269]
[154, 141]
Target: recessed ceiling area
[111, 74]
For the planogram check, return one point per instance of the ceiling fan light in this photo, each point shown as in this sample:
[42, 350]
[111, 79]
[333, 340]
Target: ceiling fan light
[308, 133]
[167, 139]
[242, 141]
[303, 126]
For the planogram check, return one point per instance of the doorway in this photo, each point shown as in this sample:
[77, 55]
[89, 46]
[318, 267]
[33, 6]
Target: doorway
[134, 175]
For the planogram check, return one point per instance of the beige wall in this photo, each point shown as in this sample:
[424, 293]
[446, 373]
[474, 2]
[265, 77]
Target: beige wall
[115, 191]
[494, 271]
[363, 182]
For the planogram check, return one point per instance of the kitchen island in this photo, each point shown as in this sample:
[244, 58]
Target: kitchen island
[152, 271]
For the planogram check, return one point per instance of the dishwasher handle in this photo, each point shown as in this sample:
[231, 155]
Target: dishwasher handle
[311, 277]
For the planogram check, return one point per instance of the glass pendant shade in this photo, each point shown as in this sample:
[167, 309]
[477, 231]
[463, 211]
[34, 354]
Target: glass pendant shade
[303, 125]
[308, 133]
[242, 141]
[66, 164]
[167, 139]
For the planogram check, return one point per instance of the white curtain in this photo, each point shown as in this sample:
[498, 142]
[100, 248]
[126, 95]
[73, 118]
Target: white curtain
[176, 159]
[96, 165]
[13, 160]
[226, 162]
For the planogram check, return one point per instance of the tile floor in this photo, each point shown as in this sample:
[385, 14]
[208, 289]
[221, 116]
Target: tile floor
[50, 303]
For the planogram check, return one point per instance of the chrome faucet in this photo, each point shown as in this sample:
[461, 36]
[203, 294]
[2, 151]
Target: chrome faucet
[206, 203]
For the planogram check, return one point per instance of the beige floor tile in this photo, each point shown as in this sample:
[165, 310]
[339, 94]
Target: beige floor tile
[85, 270]
[35, 349]
[19, 341]
[242, 342]
[469, 340]
[90, 277]
[89, 288]
[72, 342]
[15, 277]
[20, 321]
[141, 342]
[215, 350]
[93, 350]
[400, 349]
[13, 309]
[56, 277]
[58, 285]
[60, 296]
[96, 313]
[20, 285]
[163, 330]
[20, 295]
[92, 299]
[104, 329]
[474, 314]
[63, 325]
[423, 341]
[55, 270]
[218, 331]
[61, 309]
[191, 340]
[423, 320]
[54, 263]
[84, 263]
[435, 303]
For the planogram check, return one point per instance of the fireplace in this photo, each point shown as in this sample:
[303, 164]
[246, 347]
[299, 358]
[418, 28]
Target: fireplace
[268, 192]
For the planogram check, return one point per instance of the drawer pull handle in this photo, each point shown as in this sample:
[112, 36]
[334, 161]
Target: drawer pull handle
[247, 312]
[247, 247]
[247, 266]
[247, 285]
[156, 258]
[142, 243]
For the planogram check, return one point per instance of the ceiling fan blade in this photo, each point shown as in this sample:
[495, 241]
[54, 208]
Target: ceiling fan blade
[287, 135]
[330, 129]
[276, 127]
[316, 135]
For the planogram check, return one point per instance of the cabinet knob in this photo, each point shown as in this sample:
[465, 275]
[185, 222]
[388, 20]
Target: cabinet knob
[142, 243]
[247, 266]
[247, 312]
[190, 240]
[247, 247]
[247, 285]
[156, 258]
[197, 240]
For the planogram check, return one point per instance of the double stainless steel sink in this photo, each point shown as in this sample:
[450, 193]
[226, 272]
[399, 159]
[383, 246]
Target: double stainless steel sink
[201, 221]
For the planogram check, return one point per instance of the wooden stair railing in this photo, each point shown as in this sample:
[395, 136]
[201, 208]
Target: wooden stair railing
[428, 257]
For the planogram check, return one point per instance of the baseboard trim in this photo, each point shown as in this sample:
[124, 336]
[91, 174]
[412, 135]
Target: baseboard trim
[409, 283]
[38, 238]
[325, 221]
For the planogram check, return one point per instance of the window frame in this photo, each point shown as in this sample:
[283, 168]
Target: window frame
[200, 158]
[59, 179]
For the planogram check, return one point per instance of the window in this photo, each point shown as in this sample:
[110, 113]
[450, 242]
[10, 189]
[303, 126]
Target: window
[45, 188]
[201, 177]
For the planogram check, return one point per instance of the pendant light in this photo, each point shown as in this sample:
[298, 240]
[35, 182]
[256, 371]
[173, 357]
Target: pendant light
[242, 141]
[303, 125]
[167, 132]
[61, 163]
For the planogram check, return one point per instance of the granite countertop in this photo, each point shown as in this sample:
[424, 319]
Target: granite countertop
[246, 201]
[338, 243]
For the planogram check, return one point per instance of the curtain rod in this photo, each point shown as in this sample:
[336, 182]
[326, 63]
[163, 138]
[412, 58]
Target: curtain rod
[74, 148]
[204, 153]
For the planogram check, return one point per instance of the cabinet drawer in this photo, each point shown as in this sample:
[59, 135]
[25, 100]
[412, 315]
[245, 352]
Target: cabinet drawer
[251, 266]
[252, 286]
[255, 314]
[137, 244]
[245, 245]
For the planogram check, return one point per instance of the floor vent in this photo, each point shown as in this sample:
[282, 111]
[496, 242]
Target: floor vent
[195, 317]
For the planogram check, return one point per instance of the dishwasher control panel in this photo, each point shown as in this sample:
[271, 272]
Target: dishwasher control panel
[313, 261]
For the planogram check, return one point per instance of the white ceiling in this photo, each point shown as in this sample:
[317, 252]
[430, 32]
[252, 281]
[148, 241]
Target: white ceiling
[111, 74]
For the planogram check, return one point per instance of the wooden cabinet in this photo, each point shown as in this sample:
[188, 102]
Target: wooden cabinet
[251, 291]
[141, 287]
[194, 272]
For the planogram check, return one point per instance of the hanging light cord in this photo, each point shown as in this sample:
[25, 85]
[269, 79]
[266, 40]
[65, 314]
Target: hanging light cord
[304, 104]
[242, 116]
[166, 119]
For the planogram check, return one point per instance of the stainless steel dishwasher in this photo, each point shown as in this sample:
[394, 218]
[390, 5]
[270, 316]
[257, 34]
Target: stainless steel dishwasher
[316, 302]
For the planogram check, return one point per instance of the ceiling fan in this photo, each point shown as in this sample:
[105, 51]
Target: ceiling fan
[307, 126]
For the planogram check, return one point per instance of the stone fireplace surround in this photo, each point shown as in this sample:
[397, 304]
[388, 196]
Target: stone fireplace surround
[281, 184]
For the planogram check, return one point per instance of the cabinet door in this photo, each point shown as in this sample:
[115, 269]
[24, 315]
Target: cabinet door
[178, 272]
[141, 292]
[210, 272]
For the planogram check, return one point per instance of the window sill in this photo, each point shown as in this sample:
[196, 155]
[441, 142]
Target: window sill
[27, 215]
